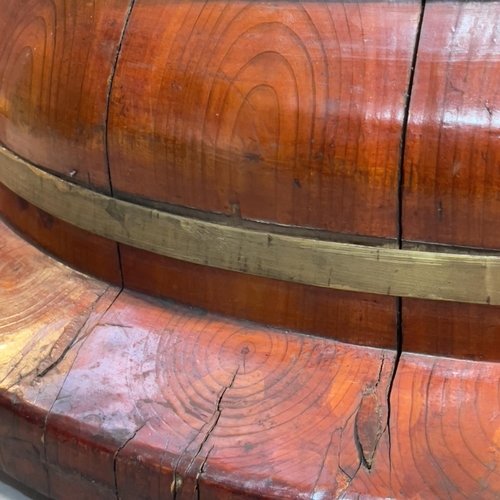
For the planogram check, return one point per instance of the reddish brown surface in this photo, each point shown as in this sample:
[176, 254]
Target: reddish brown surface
[190, 388]
[106, 394]
[451, 178]
[46, 309]
[451, 329]
[81, 249]
[119, 396]
[190, 124]
[55, 62]
[451, 174]
[350, 317]
[444, 428]
[290, 113]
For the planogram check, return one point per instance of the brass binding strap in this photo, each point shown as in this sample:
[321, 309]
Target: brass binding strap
[386, 271]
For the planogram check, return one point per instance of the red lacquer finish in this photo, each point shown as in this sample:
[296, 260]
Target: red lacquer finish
[83, 250]
[47, 309]
[285, 116]
[288, 113]
[121, 395]
[56, 61]
[451, 174]
[349, 317]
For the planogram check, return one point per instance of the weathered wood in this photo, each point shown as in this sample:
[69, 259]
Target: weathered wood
[56, 61]
[131, 397]
[289, 113]
[255, 111]
[445, 416]
[193, 388]
[46, 309]
[327, 264]
[444, 425]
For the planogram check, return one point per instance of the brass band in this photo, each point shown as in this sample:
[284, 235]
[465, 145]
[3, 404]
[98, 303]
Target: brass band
[386, 271]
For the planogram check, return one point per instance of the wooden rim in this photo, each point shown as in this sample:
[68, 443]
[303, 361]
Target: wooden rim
[106, 394]
[342, 266]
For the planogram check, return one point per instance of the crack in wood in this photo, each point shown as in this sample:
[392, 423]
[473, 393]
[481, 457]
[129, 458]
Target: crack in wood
[119, 449]
[76, 338]
[368, 427]
[60, 347]
[67, 345]
[81, 342]
[370, 423]
[344, 479]
[402, 150]
[178, 478]
[111, 80]
[201, 470]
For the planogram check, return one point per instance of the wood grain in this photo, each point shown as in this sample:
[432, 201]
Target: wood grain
[131, 397]
[469, 331]
[83, 250]
[445, 429]
[451, 175]
[326, 264]
[260, 409]
[46, 309]
[225, 416]
[290, 115]
[56, 60]
[356, 318]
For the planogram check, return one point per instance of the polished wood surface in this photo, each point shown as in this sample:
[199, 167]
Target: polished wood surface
[342, 152]
[358, 119]
[120, 395]
[364, 319]
[289, 113]
[56, 61]
[468, 331]
[444, 432]
[83, 250]
[451, 174]
[203, 399]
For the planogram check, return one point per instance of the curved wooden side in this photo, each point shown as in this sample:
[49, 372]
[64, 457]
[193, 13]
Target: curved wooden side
[467, 331]
[451, 175]
[444, 428]
[281, 112]
[453, 329]
[56, 62]
[46, 309]
[85, 251]
[358, 318]
[119, 395]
